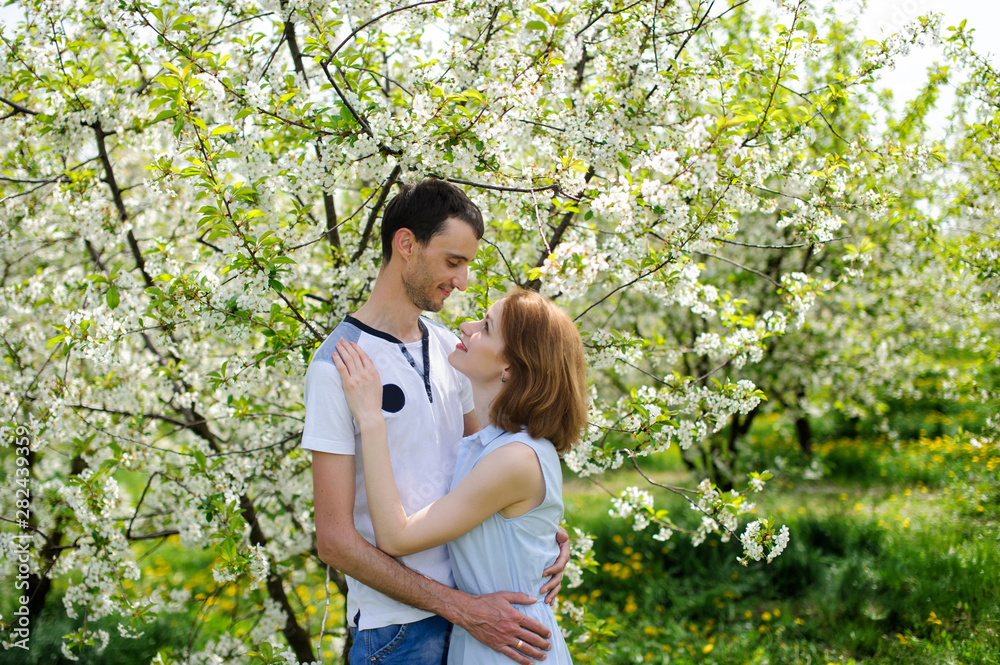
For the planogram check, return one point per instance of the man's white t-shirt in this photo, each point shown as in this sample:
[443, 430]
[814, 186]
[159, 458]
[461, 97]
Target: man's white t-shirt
[424, 400]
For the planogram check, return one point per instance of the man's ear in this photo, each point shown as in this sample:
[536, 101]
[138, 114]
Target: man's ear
[404, 243]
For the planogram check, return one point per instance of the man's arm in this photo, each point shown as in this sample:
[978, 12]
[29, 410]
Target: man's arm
[489, 618]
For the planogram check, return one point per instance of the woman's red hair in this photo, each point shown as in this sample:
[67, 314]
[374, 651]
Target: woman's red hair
[546, 393]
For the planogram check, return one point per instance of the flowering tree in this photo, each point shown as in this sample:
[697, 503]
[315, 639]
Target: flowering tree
[904, 304]
[191, 192]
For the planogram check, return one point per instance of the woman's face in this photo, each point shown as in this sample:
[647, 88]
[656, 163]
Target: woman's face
[479, 354]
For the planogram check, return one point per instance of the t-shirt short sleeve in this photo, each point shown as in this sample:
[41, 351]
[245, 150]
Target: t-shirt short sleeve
[329, 427]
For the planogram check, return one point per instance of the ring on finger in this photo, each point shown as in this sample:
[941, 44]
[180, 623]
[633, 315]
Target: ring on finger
[519, 643]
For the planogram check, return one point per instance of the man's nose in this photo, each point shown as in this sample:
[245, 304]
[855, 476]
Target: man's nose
[461, 280]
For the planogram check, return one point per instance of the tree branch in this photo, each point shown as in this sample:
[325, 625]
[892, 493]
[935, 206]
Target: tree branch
[742, 267]
[554, 188]
[557, 235]
[329, 207]
[372, 21]
[796, 246]
[116, 194]
[366, 235]
[297, 637]
[151, 416]
[694, 30]
[17, 108]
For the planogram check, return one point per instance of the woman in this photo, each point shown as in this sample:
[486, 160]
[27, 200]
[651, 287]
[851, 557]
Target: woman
[525, 362]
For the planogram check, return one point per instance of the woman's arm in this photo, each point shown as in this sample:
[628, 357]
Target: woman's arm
[509, 477]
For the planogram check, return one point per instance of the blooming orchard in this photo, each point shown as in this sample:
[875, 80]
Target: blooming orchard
[191, 194]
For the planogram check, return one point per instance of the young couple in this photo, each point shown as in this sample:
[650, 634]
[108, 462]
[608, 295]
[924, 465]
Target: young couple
[405, 506]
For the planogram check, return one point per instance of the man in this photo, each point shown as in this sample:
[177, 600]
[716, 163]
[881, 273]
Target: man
[401, 611]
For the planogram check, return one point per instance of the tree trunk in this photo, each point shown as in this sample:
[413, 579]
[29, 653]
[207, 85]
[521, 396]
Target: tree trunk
[804, 431]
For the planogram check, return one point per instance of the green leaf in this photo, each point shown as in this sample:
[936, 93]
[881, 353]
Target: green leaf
[164, 114]
[112, 297]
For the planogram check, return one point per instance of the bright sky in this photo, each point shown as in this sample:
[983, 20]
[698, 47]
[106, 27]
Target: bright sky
[883, 17]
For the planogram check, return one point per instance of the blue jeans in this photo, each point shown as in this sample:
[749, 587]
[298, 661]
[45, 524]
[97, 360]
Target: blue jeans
[419, 643]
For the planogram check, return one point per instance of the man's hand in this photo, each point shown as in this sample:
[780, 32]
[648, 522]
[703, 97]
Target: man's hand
[552, 587]
[492, 620]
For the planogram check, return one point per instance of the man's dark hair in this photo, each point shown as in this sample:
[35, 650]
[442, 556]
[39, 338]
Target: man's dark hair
[423, 208]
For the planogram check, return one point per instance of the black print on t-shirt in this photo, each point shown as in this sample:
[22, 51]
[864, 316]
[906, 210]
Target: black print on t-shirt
[392, 398]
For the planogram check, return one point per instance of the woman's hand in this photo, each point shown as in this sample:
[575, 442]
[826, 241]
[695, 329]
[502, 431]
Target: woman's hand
[362, 384]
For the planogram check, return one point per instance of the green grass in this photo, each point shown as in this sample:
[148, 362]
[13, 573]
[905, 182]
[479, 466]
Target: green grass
[894, 558]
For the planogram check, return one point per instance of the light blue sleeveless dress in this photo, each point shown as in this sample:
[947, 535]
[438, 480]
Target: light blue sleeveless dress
[508, 554]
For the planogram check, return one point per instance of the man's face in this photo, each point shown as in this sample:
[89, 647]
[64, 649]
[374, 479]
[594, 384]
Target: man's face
[440, 266]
